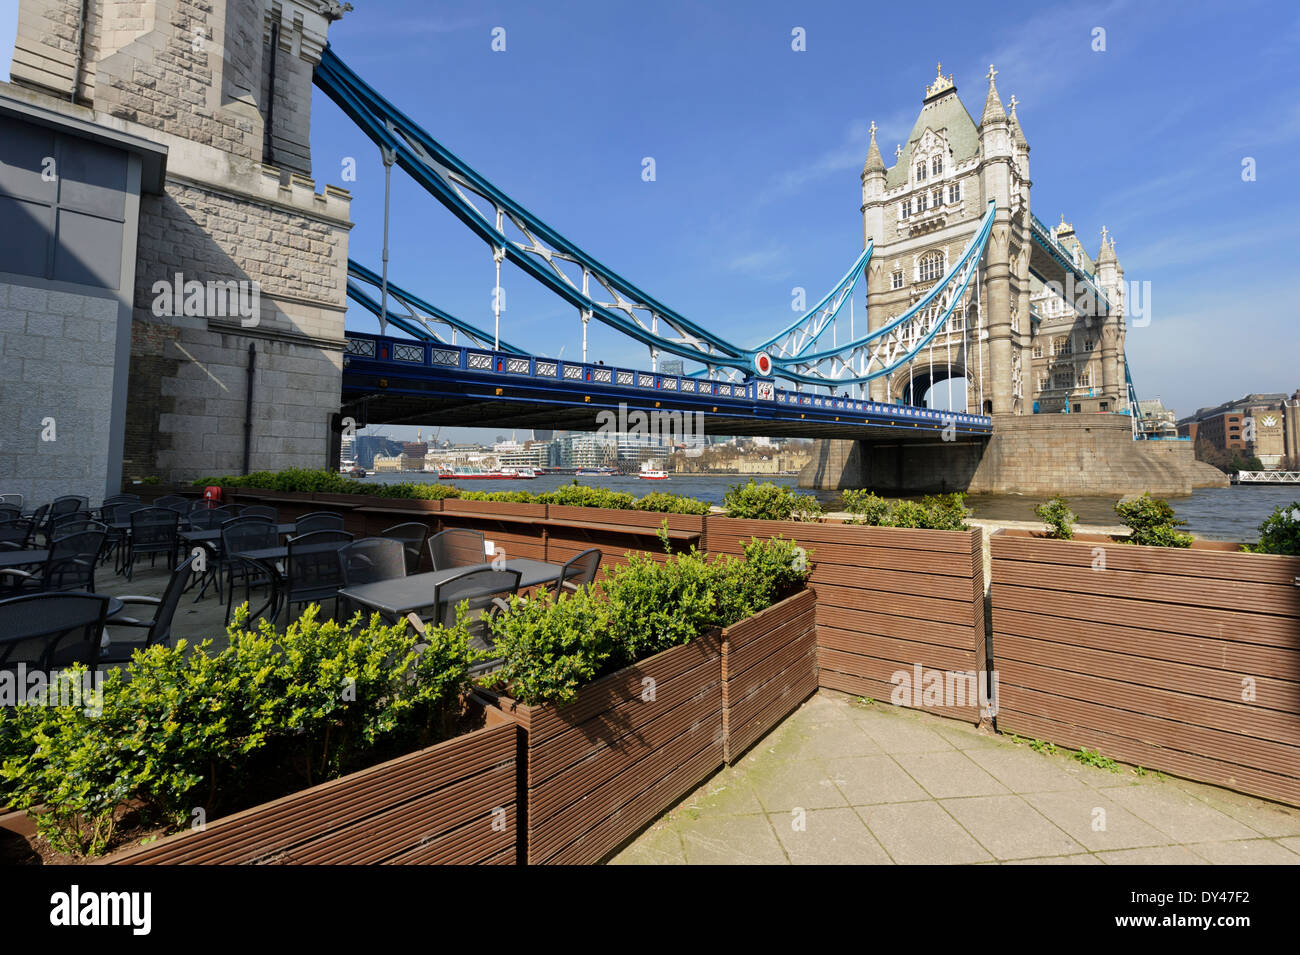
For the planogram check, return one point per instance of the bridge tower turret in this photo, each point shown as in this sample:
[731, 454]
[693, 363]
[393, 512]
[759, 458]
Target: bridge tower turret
[997, 153]
[1110, 279]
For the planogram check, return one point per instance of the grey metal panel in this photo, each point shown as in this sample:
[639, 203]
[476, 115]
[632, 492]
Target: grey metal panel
[89, 250]
[92, 178]
[24, 236]
[23, 151]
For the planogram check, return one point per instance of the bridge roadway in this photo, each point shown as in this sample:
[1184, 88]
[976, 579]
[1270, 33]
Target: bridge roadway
[404, 381]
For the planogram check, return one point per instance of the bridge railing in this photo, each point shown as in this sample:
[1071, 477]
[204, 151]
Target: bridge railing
[556, 371]
[1054, 246]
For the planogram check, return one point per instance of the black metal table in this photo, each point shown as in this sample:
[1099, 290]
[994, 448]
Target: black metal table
[397, 597]
[22, 558]
[209, 535]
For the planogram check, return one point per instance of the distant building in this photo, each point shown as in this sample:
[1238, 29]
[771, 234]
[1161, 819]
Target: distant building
[1155, 420]
[1266, 426]
[366, 447]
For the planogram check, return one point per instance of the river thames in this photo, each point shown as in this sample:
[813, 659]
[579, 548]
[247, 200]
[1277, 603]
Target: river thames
[1220, 513]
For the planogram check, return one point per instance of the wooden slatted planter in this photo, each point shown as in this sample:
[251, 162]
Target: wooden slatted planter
[769, 667]
[1186, 661]
[450, 803]
[599, 769]
[888, 600]
[516, 528]
[571, 530]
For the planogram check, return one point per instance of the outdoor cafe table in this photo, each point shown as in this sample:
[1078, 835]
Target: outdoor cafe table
[210, 535]
[399, 596]
[22, 558]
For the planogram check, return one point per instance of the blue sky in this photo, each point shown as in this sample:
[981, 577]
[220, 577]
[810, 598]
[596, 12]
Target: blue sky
[758, 150]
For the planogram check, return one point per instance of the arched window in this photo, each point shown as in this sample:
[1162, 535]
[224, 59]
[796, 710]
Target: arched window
[920, 171]
[936, 166]
[931, 266]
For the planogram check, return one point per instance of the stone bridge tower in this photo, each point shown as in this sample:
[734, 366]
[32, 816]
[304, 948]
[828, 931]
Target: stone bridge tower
[922, 212]
[237, 299]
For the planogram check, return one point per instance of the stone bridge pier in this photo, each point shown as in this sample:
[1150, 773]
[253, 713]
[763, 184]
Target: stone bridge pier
[1036, 455]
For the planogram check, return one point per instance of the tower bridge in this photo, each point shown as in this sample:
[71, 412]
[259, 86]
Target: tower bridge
[182, 134]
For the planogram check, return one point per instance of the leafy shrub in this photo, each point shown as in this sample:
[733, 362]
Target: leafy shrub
[865, 507]
[552, 646]
[944, 512]
[1057, 515]
[1280, 532]
[654, 606]
[770, 570]
[582, 495]
[513, 497]
[184, 727]
[1152, 522]
[671, 504]
[770, 502]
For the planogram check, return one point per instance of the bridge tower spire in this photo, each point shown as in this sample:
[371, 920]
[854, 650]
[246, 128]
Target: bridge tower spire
[996, 180]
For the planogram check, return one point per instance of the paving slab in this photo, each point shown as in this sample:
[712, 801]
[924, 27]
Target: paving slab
[876, 785]
[1010, 828]
[828, 837]
[921, 832]
[729, 840]
[945, 775]
[871, 780]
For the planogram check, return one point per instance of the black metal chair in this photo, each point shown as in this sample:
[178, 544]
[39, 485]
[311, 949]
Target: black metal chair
[207, 520]
[456, 548]
[167, 500]
[228, 511]
[10, 513]
[240, 535]
[17, 535]
[69, 503]
[261, 510]
[70, 565]
[156, 630]
[579, 571]
[313, 571]
[154, 531]
[487, 592]
[371, 559]
[413, 536]
[181, 505]
[65, 524]
[318, 521]
[116, 512]
[47, 631]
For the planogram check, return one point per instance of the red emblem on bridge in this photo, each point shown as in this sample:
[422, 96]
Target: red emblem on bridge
[763, 363]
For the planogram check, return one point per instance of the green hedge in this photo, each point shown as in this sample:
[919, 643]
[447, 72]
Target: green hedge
[1280, 532]
[1151, 522]
[553, 646]
[185, 727]
[941, 512]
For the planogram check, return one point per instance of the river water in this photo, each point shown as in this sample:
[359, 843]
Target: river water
[1220, 513]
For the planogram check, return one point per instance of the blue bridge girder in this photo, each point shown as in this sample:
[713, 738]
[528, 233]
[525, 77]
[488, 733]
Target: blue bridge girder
[401, 381]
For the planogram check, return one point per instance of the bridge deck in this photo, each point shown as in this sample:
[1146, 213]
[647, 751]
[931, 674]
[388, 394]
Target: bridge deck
[401, 381]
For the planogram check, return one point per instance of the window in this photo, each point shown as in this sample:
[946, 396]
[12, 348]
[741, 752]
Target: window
[1105, 406]
[896, 279]
[1038, 350]
[1077, 409]
[936, 198]
[920, 203]
[954, 192]
[1063, 380]
[936, 165]
[1089, 344]
[931, 266]
[1085, 378]
[907, 208]
[1062, 346]
[1043, 383]
[958, 322]
[920, 171]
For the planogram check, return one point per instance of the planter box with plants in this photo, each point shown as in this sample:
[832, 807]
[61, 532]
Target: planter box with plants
[1171, 657]
[618, 692]
[326, 743]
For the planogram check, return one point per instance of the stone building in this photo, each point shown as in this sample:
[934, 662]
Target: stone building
[1021, 345]
[1266, 426]
[235, 284]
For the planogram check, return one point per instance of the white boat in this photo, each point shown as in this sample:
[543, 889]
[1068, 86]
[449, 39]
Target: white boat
[649, 473]
[522, 474]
